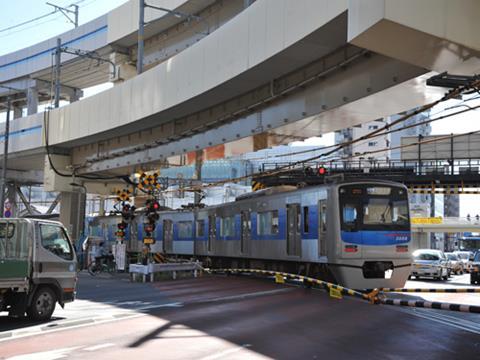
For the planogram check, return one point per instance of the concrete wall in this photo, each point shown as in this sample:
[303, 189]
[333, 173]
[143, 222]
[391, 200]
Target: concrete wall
[25, 133]
[89, 36]
[440, 35]
[263, 30]
[123, 20]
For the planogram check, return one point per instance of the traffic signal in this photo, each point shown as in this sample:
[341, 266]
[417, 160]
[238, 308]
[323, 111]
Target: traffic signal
[122, 226]
[152, 206]
[322, 170]
[128, 212]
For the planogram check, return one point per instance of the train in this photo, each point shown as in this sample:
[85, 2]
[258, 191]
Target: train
[354, 233]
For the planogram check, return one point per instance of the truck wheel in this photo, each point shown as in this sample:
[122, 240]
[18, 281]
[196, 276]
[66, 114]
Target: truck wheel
[43, 304]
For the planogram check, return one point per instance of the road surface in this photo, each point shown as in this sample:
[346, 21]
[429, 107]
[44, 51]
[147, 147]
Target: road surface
[219, 317]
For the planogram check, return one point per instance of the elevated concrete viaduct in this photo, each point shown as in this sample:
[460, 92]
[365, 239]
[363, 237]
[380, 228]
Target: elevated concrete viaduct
[276, 67]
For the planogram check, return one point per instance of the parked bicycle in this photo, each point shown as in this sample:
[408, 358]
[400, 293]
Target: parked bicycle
[102, 264]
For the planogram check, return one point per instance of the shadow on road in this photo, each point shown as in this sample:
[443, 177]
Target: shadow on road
[10, 323]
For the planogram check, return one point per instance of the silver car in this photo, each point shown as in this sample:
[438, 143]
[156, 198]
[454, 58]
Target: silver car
[429, 263]
[456, 263]
[464, 257]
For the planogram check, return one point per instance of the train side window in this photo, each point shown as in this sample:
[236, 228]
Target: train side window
[305, 219]
[267, 223]
[185, 229]
[200, 228]
[322, 228]
[227, 226]
[349, 213]
[323, 218]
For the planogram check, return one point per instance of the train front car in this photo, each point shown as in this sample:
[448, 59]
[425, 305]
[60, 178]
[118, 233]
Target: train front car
[372, 248]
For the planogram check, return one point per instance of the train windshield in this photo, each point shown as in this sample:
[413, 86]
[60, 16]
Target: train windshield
[368, 207]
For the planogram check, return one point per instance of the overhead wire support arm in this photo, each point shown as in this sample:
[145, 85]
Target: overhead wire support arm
[66, 12]
[90, 55]
[180, 14]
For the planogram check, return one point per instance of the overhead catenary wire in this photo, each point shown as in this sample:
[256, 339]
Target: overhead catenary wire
[38, 17]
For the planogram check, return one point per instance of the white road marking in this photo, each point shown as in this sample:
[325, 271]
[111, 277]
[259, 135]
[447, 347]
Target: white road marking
[97, 347]
[442, 319]
[242, 296]
[224, 353]
[45, 355]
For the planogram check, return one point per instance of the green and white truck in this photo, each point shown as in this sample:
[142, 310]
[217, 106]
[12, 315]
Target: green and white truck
[38, 267]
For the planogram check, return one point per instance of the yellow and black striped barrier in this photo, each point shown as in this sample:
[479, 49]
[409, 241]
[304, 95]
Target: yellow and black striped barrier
[432, 305]
[374, 296]
[459, 290]
[256, 185]
[158, 258]
[334, 289]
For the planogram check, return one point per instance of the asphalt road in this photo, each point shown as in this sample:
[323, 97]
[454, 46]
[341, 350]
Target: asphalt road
[237, 318]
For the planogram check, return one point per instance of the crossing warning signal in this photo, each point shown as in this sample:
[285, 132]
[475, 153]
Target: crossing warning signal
[122, 226]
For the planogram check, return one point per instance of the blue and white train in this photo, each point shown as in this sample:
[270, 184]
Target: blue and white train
[355, 233]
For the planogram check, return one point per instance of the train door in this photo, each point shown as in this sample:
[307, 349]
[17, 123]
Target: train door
[167, 235]
[246, 229]
[199, 236]
[294, 239]
[322, 228]
[212, 233]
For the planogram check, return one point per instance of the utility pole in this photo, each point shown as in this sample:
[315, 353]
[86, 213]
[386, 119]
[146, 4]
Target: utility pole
[5, 159]
[58, 54]
[141, 28]
[198, 175]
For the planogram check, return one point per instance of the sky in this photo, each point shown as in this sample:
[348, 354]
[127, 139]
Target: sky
[19, 11]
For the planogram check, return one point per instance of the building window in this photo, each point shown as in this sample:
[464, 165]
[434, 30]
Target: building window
[227, 226]
[185, 229]
[372, 127]
[372, 143]
[267, 223]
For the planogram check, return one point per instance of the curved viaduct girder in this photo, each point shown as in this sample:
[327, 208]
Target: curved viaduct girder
[367, 88]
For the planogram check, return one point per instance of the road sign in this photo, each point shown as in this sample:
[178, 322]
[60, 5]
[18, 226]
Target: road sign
[7, 213]
[426, 220]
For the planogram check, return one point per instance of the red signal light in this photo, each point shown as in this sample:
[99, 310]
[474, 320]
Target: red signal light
[322, 170]
[156, 205]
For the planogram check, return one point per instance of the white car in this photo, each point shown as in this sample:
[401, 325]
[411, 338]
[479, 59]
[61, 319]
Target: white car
[429, 263]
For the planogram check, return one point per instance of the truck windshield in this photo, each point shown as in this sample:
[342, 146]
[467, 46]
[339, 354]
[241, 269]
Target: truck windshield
[56, 241]
[369, 207]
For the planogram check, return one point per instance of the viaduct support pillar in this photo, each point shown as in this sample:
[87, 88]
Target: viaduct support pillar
[72, 213]
[32, 100]
[17, 112]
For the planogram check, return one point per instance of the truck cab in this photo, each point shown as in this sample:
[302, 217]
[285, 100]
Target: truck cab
[38, 267]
